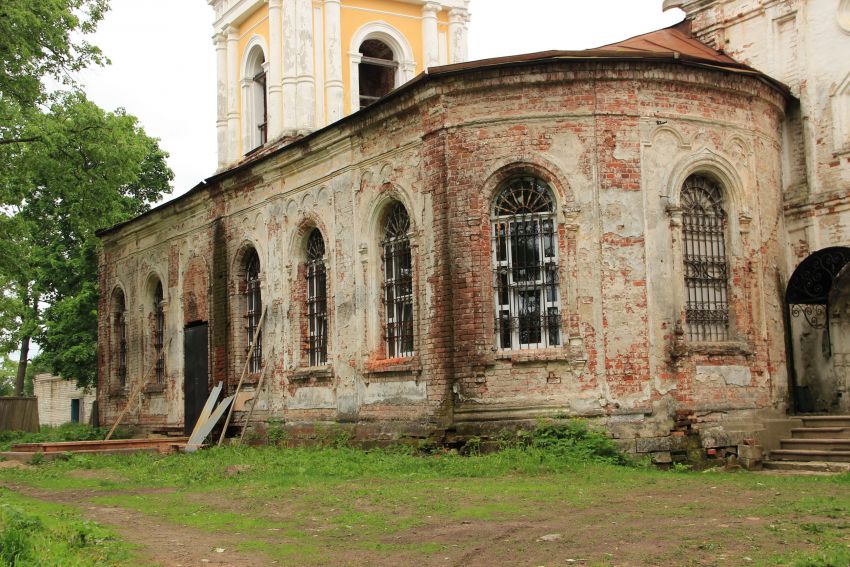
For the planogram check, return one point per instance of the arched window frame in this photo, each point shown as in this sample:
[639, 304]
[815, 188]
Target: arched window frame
[158, 304]
[395, 40]
[118, 322]
[523, 220]
[253, 307]
[398, 281]
[254, 95]
[316, 303]
[705, 259]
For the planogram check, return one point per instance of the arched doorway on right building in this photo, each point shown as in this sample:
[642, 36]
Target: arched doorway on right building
[818, 306]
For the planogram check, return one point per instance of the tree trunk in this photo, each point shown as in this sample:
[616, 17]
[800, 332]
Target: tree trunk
[22, 366]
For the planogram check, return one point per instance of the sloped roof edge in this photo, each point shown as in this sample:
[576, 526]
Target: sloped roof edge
[674, 44]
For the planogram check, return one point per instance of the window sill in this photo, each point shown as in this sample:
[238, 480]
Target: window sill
[251, 379]
[722, 348]
[313, 373]
[154, 388]
[410, 365]
[552, 354]
[117, 391]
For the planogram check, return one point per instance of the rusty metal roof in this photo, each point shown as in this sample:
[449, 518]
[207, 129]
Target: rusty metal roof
[675, 39]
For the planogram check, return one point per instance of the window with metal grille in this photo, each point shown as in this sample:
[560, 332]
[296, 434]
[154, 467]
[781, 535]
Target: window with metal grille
[398, 282]
[525, 260]
[119, 319]
[705, 262]
[317, 303]
[159, 332]
[253, 308]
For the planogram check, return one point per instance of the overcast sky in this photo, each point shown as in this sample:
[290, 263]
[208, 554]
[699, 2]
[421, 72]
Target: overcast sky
[163, 61]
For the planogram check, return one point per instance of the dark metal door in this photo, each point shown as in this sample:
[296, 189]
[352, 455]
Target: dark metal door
[195, 374]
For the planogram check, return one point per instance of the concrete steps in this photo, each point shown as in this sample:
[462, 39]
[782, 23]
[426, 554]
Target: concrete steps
[811, 444]
[821, 445]
[826, 420]
[821, 433]
[807, 466]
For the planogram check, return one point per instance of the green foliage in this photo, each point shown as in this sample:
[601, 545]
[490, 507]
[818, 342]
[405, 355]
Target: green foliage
[276, 432]
[16, 546]
[88, 170]
[8, 370]
[44, 39]
[51, 434]
[67, 168]
[572, 439]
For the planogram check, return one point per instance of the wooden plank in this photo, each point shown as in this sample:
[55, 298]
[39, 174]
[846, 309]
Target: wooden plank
[257, 395]
[207, 427]
[134, 393]
[244, 370]
[208, 408]
[67, 446]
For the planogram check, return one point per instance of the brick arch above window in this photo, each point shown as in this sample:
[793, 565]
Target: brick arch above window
[501, 171]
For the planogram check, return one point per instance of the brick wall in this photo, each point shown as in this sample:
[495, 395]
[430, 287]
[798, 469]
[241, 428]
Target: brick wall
[614, 141]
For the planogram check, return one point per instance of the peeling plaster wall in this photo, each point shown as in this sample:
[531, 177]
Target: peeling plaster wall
[795, 41]
[613, 140]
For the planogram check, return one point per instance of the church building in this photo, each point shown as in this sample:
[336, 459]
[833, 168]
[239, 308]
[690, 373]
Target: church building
[407, 244]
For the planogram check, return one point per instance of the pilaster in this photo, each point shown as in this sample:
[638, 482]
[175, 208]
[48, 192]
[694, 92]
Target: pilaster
[220, 42]
[290, 71]
[274, 77]
[232, 93]
[306, 80]
[334, 88]
[430, 34]
[458, 34]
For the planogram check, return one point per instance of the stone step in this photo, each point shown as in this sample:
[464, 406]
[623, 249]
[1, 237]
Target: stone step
[807, 467]
[816, 444]
[820, 433]
[809, 455]
[826, 420]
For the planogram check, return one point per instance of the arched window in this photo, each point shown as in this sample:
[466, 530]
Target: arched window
[119, 338]
[317, 303]
[253, 309]
[255, 100]
[378, 71]
[398, 282]
[525, 260]
[159, 332]
[705, 262]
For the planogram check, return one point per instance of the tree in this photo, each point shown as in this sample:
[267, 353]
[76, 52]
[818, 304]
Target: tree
[43, 39]
[87, 169]
[66, 169]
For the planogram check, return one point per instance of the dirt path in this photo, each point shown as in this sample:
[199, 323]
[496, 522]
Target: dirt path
[161, 543]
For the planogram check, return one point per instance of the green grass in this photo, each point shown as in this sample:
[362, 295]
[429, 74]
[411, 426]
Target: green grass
[35, 533]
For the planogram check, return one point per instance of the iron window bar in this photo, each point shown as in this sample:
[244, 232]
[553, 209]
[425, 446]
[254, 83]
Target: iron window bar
[254, 304]
[526, 270]
[705, 260]
[159, 333]
[122, 349]
[398, 283]
[317, 305]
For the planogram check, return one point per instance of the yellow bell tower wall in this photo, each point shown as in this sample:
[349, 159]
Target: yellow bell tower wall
[311, 50]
